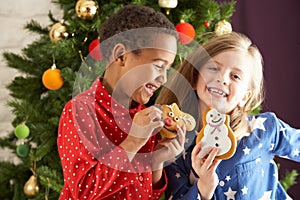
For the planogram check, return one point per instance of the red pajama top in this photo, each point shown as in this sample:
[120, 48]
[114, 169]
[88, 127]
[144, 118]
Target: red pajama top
[92, 126]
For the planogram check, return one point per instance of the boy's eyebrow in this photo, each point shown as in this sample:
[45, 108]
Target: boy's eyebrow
[163, 60]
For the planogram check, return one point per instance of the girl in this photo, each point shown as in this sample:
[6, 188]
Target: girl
[227, 74]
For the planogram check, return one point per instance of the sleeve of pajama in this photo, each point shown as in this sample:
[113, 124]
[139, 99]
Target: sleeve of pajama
[89, 173]
[157, 193]
[179, 186]
[286, 140]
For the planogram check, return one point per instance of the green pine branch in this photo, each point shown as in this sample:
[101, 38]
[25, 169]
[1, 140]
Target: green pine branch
[289, 179]
[36, 27]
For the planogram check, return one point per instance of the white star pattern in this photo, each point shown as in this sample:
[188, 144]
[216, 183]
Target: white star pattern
[177, 175]
[272, 147]
[228, 178]
[296, 152]
[230, 194]
[245, 190]
[260, 145]
[246, 150]
[266, 196]
[282, 129]
[257, 160]
[257, 123]
[187, 140]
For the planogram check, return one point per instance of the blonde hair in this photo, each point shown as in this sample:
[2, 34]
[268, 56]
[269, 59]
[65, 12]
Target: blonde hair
[190, 67]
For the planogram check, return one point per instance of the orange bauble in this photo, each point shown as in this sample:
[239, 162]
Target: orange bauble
[52, 79]
[186, 32]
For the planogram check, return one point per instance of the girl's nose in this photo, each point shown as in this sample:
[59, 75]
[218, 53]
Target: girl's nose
[168, 122]
[223, 80]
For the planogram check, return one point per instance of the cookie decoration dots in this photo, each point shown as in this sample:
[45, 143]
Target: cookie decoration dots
[216, 132]
[173, 116]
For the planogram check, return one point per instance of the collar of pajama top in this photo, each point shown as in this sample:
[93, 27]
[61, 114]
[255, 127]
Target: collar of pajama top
[251, 173]
[99, 115]
[102, 124]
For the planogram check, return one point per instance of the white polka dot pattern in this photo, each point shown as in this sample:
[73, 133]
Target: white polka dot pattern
[91, 127]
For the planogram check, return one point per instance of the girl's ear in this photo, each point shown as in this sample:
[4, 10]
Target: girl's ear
[244, 100]
[118, 53]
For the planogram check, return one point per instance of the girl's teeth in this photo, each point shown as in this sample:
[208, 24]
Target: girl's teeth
[217, 92]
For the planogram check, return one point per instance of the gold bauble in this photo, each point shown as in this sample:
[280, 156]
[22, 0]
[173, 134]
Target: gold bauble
[222, 27]
[31, 187]
[58, 32]
[167, 4]
[86, 9]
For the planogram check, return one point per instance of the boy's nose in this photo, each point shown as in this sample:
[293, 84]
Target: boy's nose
[162, 77]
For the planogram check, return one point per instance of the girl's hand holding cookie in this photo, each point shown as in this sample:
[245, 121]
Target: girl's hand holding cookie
[204, 163]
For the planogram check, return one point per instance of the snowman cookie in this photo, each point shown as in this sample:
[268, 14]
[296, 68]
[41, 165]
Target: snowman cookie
[216, 132]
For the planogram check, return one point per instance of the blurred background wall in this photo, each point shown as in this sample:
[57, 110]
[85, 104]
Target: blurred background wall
[274, 26]
[14, 14]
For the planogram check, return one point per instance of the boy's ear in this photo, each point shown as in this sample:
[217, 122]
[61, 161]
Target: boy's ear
[244, 100]
[118, 53]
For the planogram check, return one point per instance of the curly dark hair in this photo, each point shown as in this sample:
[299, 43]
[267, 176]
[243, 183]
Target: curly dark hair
[134, 17]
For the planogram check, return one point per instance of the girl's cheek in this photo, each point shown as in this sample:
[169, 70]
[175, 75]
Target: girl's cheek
[206, 77]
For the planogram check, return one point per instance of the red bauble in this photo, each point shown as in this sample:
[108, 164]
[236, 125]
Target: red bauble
[206, 24]
[186, 32]
[94, 49]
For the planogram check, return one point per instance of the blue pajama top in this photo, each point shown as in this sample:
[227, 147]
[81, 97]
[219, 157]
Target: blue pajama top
[251, 173]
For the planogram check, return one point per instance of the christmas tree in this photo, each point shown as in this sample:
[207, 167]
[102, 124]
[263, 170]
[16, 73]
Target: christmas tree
[50, 68]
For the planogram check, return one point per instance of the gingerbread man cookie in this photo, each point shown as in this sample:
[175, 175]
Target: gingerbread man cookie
[173, 116]
[216, 132]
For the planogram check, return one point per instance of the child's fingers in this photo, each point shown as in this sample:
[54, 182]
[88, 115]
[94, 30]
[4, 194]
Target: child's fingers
[196, 150]
[210, 158]
[181, 134]
[215, 164]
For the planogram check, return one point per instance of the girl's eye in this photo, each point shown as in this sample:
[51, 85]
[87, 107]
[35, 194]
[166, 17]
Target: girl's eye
[235, 76]
[213, 69]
